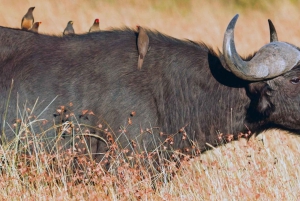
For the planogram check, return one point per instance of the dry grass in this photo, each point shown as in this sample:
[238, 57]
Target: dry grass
[262, 168]
[258, 169]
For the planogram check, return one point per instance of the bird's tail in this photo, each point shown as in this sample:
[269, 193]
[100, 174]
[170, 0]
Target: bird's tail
[140, 62]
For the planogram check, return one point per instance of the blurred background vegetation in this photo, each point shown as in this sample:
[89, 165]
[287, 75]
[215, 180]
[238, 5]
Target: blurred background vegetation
[254, 4]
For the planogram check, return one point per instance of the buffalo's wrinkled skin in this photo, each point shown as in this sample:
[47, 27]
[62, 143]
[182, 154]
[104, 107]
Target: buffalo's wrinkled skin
[181, 84]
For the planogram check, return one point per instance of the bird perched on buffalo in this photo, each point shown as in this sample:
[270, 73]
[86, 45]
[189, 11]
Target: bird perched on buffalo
[69, 30]
[28, 19]
[95, 26]
[143, 45]
[35, 27]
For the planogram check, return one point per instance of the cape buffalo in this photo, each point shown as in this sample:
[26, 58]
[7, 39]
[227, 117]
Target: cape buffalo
[184, 87]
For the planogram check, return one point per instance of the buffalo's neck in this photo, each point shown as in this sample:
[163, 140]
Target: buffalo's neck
[205, 100]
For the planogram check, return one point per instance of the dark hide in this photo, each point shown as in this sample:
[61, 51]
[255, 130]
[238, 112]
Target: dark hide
[181, 84]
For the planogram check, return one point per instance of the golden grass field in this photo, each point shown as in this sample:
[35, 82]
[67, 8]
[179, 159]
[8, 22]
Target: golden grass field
[263, 168]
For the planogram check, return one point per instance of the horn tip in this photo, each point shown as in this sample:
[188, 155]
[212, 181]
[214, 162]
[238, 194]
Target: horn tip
[231, 24]
[270, 21]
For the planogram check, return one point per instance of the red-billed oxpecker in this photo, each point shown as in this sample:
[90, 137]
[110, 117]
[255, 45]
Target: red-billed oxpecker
[28, 19]
[95, 26]
[69, 30]
[35, 27]
[142, 44]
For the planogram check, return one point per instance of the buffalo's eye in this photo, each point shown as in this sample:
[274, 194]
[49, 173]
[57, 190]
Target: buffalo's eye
[295, 80]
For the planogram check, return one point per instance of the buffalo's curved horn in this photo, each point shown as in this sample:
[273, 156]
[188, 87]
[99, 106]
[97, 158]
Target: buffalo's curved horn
[273, 33]
[270, 61]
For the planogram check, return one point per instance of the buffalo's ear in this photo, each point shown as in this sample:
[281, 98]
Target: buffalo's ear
[260, 94]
